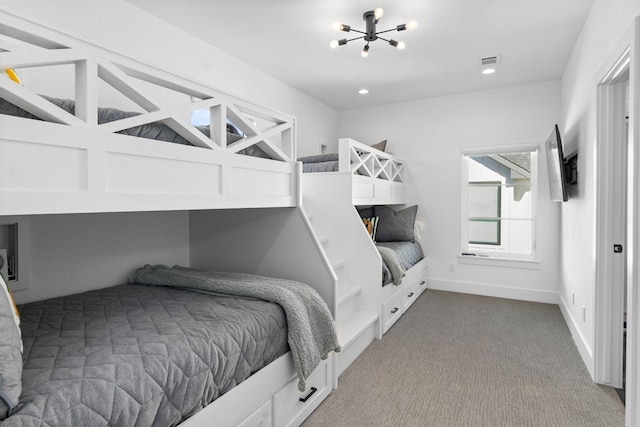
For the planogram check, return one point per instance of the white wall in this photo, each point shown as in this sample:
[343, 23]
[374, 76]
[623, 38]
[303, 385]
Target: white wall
[74, 253]
[604, 27]
[130, 31]
[430, 134]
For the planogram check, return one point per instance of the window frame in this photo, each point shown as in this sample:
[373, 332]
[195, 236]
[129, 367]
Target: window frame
[481, 257]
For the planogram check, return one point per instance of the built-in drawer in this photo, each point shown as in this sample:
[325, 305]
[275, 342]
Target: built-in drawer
[409, 295]
[261, 417]
[421, 286]
[291, 406]
[391, 311]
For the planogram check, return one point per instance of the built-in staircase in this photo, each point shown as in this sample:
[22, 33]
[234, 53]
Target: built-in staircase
[327, 201]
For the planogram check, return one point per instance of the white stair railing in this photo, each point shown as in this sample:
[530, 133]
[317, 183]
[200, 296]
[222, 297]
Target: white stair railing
[361, 159]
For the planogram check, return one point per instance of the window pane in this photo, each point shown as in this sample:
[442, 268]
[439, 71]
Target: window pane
[484, 232]
[517, 236]
[484, 200]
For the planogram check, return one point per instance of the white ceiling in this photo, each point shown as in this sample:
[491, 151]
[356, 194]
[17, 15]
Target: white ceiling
[289, 39]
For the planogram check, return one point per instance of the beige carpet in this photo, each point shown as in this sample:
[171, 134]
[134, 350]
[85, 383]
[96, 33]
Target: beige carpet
[465, 360]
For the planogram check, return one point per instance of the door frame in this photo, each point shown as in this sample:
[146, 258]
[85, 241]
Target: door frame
[607, 359]
[611, 200]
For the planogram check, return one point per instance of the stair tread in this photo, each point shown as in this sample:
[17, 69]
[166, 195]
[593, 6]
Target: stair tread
[345, 292]
[349, 329]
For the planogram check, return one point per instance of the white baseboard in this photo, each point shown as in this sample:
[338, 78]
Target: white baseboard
[583, 348]
[534, 295]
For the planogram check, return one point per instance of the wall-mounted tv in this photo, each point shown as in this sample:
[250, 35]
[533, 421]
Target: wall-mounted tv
[555, 167]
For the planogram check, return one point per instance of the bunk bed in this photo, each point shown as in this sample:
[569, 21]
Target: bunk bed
[362, 176]
[70, 155]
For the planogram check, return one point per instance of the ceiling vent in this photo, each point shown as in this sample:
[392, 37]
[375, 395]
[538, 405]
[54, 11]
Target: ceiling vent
[489, 60]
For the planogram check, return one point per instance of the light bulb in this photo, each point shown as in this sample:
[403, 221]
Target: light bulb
[488, 71]
[378, 13]
[365, 51]
[411, 25]
[337, 26]
[363, 91]
[401, 45]
[333, 44]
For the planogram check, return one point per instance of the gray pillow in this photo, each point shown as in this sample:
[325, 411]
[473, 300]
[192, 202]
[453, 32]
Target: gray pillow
[395, 226]
[382, 145]
[10, 356]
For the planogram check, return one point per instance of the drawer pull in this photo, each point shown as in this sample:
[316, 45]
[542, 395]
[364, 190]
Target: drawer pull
[395, 310]
[410, 295]
[308, 396]
[422, 282]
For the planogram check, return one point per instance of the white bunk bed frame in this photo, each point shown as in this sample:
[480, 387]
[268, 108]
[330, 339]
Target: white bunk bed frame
[364, 309]
[70, 164]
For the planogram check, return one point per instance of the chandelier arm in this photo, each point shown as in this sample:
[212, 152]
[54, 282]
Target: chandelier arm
[358, 31]
[356, 38]
[383, 39]
[385, 31]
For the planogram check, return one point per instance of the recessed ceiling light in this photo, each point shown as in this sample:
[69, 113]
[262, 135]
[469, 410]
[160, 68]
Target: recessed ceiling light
[363, 91]
[488, 71]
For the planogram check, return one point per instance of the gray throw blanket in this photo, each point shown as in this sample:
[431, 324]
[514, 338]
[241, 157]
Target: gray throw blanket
[394, 264]
[312, 333]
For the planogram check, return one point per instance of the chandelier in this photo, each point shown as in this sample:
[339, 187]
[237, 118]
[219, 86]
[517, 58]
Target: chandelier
[370, 34]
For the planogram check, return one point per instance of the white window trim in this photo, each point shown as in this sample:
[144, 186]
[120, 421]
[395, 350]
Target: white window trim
[499, 260]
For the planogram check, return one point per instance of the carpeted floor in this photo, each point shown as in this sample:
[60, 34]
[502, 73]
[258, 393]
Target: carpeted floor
[464, 360]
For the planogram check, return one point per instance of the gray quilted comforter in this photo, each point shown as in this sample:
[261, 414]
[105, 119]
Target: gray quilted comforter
[139, 355]
[312, 332]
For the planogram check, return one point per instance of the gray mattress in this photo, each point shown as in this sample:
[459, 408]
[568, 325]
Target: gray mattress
[320, 163]
[330, 166]
[409, 253]
[140, 355]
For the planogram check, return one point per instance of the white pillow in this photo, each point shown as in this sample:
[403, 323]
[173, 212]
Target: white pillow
[418, 228]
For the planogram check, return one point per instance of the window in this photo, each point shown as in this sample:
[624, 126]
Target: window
[499, 203]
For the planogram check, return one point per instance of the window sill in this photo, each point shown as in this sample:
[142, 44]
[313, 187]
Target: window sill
[489, 261]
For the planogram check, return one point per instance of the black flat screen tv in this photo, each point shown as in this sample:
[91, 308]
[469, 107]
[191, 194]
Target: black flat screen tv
[555, 167]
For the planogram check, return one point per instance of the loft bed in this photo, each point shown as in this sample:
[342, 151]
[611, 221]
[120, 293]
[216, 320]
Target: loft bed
[81, 145]
[60, 155]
